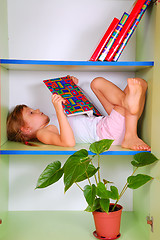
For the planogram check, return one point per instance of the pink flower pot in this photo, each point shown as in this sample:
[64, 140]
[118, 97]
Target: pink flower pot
[108, 225]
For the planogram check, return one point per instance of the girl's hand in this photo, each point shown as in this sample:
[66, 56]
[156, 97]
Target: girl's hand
[74, 79]
[57, 101]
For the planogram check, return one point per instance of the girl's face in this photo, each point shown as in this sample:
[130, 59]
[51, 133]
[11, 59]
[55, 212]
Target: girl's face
[34, 119]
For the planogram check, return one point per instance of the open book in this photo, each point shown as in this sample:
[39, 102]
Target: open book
[76, 101]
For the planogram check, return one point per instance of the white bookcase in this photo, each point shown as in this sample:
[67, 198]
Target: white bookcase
[39, 39]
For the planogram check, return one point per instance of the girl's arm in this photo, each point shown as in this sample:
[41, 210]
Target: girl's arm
[50, 134]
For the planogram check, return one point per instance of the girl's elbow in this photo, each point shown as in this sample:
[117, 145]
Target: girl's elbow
[71, 143]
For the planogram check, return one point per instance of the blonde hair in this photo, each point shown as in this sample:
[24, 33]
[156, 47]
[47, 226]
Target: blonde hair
[15, 122]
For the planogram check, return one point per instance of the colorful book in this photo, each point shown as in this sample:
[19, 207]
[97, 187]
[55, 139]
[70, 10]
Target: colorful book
[113, 37]
[133, 15]
[104, 40]
[76, 101]
[131, 31]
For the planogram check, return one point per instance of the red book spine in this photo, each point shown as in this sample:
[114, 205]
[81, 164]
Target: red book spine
[131, 31]
[135, 11]
[105, 39]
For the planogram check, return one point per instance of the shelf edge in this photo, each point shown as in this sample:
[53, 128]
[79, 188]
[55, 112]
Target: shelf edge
[68, 152]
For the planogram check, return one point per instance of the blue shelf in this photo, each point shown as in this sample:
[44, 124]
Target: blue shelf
[76, 63]
[17, 64]
[19, 152]
[12, 148]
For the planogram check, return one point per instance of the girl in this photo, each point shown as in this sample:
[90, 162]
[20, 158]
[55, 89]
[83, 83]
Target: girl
[123, 107]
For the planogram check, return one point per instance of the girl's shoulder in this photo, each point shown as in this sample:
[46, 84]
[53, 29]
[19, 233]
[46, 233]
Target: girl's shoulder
[49, 127]
[45, 134]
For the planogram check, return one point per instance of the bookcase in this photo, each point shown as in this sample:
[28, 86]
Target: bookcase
[27, 213]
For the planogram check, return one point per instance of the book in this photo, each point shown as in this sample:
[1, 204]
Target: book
[133, 15]
[113, 37]
[76, 101]
[104, 39]
[131, 31]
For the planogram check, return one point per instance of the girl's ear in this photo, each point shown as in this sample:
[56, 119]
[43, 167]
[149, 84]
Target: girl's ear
[26, 130]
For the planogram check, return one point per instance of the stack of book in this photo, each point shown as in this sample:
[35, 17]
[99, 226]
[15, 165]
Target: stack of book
[119, 32]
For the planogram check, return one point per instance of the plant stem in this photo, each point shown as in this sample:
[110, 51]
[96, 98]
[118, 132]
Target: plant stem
[126, 185]
[88, 179]
[95, 176]
[99, 178]
[79, 186]
[134, 171]
[123, 190]
[114, 206]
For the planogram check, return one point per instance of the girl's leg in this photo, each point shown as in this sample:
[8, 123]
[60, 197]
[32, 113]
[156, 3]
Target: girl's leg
[109, 95]
[129, 103]
[131, 139]
[130, 89]
[135, 99]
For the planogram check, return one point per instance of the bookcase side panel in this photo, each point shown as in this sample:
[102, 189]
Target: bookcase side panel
[3, 29]
[4, 160]
[4, 189]
[4, 88]
[155, 171]
[3, 73]
[141, 197]
[146, 200]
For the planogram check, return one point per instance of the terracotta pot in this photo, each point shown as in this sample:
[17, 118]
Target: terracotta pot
[108, 225]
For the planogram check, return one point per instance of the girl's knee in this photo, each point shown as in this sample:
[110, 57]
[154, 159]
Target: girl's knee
[94, 84]
[97, 82]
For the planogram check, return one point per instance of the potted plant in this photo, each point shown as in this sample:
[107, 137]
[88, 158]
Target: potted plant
[79, 167]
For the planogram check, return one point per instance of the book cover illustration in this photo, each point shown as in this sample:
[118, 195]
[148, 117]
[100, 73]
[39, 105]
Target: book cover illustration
[76, 101]
[113, 36]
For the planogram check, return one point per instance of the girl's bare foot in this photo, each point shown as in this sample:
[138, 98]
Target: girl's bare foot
[135, 143]
[132, 99]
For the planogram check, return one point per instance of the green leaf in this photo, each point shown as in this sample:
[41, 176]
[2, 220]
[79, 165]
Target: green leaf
[50, 175]
[137, 181]
[115, 193]
[104, 203]
[96, 206]
[90, 194]
[103, 193]
[88, 209]
[75, 166]
[91, 170]
[100, 146]
[143, 159]
[81, 155]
